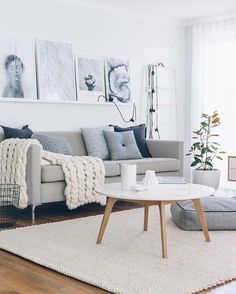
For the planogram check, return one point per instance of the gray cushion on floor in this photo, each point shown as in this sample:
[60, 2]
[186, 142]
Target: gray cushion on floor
[220, 213]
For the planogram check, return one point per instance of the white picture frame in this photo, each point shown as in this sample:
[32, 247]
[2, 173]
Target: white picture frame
[90, 78]
[17, 68]
[117, 78]
[55, 71]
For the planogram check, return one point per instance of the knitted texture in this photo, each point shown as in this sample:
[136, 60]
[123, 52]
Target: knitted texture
[82, 173]
[13, 165]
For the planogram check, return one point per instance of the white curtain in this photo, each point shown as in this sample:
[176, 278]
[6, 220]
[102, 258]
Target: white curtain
[213, 84]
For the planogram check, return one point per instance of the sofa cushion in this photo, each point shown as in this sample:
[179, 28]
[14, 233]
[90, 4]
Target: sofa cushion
[54, 173]
[112, 168]
[156, 164]
[122, 145]
[24, 133]
[51, 173]
[54, 144]
[220, 214]
[95, 142]
[140, 137]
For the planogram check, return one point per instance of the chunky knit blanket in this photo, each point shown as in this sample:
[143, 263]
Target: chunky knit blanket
[82, 173]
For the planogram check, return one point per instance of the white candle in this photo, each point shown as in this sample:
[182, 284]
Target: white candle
[128, 176]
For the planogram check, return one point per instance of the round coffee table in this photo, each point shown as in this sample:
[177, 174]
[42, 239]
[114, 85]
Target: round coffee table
[164, 194]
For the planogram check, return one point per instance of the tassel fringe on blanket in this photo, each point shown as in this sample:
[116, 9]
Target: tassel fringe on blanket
[82, 173]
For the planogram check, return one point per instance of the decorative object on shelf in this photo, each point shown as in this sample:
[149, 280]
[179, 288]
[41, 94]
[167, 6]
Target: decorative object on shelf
[17, 68]
[205, 151]
[232, 168]
[9, 202]
[56, 72]
[128, 176]
[133, 117]
[90, 78]
[150, 180]
[117, 72]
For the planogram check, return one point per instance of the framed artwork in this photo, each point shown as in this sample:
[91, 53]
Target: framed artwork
[117, 72]
[55, 70]
[232, 168]
[90, 78]
[17, 68]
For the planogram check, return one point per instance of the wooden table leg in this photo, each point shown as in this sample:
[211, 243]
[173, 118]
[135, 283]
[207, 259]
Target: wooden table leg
[201, 217]
[163, 229]
[146, 212]
[107, 213]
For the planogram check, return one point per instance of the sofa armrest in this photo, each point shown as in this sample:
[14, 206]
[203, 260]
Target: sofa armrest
[167, 149]
[33, 174]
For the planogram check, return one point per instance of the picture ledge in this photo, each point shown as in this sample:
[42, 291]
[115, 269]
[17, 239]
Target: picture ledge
[25, 100]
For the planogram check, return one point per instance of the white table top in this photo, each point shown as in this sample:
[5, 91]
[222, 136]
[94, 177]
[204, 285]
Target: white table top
[164, 192]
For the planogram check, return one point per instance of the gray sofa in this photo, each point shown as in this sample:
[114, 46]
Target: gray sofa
[46, 183]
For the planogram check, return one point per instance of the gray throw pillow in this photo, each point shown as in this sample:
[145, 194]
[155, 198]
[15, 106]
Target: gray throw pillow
[54, 144]
[122, 145]
[95, 142]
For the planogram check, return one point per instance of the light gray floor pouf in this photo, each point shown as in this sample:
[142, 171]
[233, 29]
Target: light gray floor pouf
[220, 213]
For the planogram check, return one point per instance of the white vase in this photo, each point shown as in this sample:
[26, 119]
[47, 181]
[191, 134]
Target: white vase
[209, 178]
[128, 176]
[150, 180]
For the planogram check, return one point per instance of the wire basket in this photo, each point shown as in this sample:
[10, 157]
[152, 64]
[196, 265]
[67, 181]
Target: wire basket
[9, 202]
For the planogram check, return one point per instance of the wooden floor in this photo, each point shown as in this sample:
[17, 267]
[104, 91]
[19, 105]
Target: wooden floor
[19, 276]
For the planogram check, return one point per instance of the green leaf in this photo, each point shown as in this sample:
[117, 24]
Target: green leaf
[216, 120]
[197, 159]
[220, 158]
[204, 124]
[209, 163]
[194, 163]
[215, 143]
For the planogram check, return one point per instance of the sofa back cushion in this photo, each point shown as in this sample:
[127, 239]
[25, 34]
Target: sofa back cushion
[122, 145]
[24, 133]
[140, 137]
[95, 141]
[54, 144]
[74, 138]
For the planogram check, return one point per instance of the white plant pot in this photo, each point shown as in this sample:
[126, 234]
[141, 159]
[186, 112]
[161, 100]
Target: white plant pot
[209, 178]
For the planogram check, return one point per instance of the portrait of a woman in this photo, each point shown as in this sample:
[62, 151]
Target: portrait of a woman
[14, 68]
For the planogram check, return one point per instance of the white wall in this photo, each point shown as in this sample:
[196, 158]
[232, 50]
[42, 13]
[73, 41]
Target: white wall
[97, 32]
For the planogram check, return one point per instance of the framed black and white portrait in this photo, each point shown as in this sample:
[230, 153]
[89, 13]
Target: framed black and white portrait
[90, 78]
[17, 68]
[56, 72]
[117, 72]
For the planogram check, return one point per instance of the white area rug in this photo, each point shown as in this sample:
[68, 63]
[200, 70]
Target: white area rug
[129, 259]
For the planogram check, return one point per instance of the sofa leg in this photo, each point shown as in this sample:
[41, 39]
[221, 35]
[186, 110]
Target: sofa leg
[33, 214]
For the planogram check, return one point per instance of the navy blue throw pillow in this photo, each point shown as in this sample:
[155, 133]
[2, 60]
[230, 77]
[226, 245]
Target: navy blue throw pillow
[24, 133]
[140, 137]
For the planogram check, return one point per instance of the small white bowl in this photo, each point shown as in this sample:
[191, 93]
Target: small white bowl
[139, 187]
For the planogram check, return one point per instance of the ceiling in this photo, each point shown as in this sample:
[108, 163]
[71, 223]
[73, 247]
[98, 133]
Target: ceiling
[168, 10]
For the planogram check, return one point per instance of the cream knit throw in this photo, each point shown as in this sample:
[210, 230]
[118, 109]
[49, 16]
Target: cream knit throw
[82, 173]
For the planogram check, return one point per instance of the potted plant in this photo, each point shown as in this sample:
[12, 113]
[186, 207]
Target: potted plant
[205, 151]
